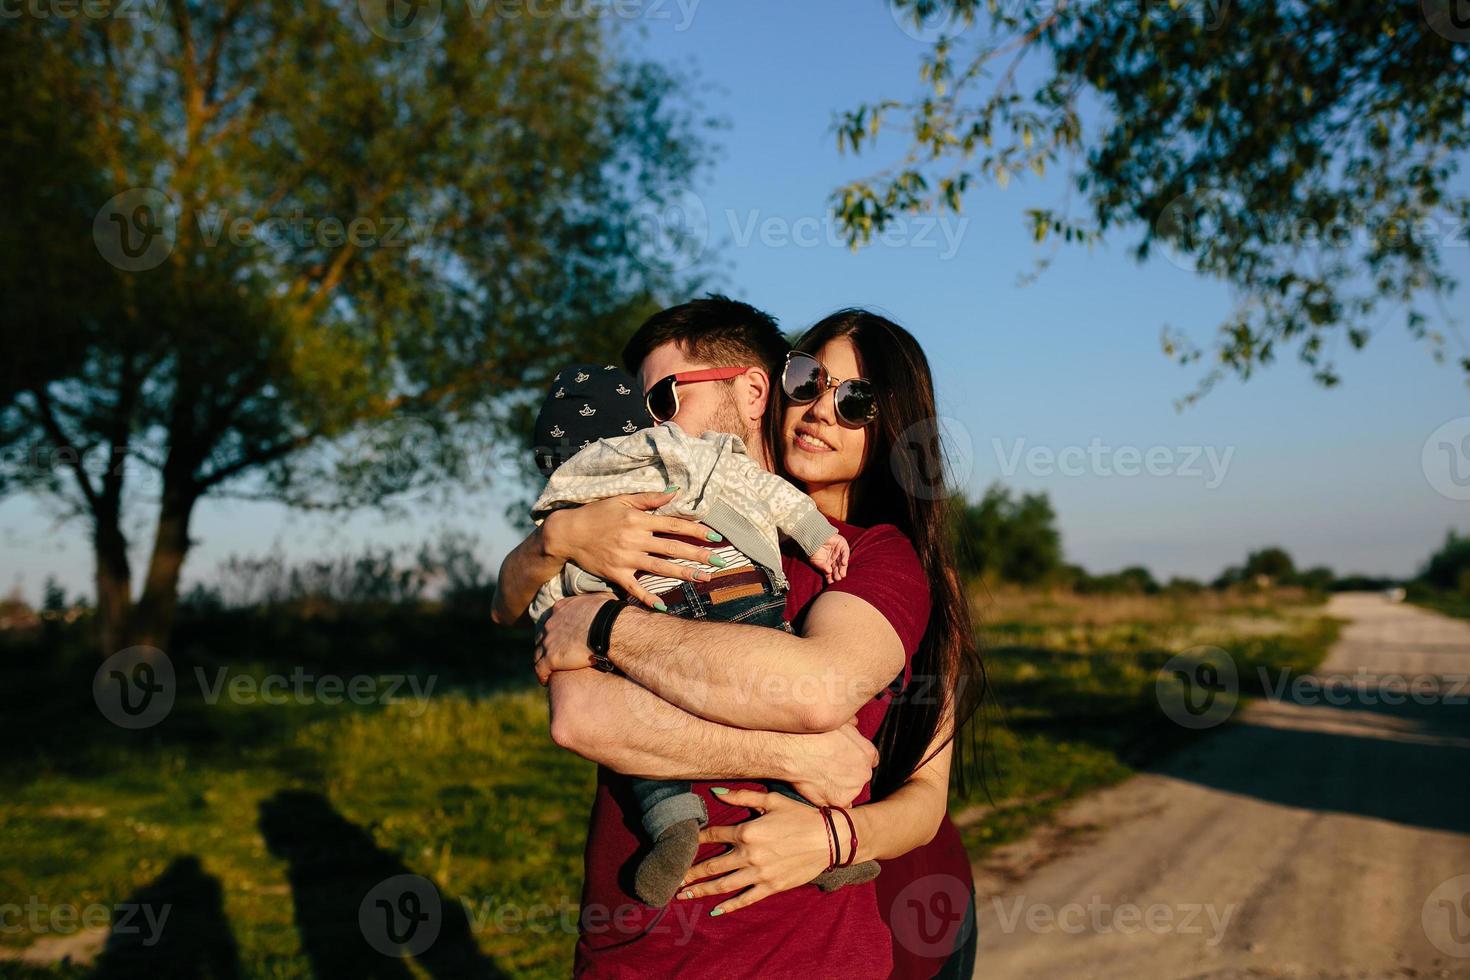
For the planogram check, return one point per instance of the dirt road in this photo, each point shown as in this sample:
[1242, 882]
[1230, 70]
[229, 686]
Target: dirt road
[1304, 839]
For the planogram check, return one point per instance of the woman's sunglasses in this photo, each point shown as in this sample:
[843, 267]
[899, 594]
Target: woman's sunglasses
[662, 398]
[805, 380]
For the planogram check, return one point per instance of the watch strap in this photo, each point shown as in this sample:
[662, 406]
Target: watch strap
[599, 634]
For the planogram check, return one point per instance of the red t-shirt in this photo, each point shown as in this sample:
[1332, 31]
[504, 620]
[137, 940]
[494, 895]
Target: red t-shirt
[922, 896]
[799, 932]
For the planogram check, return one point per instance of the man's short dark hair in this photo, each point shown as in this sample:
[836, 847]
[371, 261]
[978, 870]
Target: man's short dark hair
[716, 330]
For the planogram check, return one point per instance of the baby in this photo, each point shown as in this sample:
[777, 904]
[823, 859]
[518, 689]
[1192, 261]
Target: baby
[595, 439]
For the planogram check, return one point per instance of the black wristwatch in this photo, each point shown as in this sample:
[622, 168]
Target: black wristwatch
[599, 634]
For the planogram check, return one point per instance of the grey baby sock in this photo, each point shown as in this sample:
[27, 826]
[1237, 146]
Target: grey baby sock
[662, 870]
[830, 881]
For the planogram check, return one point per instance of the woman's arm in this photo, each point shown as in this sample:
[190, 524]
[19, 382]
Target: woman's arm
[743, 676]
[529, 564]
[613, 539]
[610, 720]
[788, 844]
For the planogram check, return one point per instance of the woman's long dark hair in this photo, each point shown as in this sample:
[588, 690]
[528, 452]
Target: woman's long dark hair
[903, 483]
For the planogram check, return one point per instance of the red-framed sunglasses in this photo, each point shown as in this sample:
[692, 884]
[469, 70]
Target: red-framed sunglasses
[662, 397]
[804, 380]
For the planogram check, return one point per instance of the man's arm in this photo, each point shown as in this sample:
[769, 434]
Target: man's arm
[745, 676]
[610, 720]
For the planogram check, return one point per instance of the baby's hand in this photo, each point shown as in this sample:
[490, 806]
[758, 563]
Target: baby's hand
[831, 558]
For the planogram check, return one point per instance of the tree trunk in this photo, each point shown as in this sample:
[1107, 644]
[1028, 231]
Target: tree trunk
[114, 583]
[152, 621]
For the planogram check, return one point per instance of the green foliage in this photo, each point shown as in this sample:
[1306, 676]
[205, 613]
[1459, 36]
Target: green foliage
[1304, 153]
[338, 262]
[1182, 586]
[1134, 580]
[1273, 563]
[1319, 578]
[1012, 539]
[53, 596]
[1448, 569]
[448, 569]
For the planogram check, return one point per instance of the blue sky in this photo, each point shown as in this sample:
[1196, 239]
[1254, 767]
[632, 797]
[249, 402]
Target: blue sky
[1069, 362]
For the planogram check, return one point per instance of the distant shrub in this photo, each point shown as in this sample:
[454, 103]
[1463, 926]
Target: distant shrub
[1358, 582]
[1448, 569]
[1135, 580]
[1184, 586]
[447, 570]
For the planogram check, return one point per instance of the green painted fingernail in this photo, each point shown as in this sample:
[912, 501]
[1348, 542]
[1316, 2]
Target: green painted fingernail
[717, 912]
[687, 895]
[717, 561]
[718, 790]
[670, 488]
[714, 536]
[660, 606]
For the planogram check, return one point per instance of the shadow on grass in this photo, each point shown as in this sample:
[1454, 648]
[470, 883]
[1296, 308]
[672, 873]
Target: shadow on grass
[358, 907]
[173, 927]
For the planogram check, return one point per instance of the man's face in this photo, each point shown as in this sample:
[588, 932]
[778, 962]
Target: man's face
[704, 406]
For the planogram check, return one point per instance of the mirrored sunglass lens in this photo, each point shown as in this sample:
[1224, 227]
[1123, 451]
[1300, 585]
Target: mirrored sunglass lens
[855, 402]
[662, 404]
[802, 379]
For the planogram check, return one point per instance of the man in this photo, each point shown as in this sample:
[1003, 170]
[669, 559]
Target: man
[628, 729]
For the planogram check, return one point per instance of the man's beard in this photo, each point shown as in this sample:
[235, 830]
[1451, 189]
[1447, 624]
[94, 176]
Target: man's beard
[727, 418]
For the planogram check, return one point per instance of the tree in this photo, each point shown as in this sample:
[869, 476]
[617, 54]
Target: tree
[272, 249]
[1232, 575]
[1015, 540]
[1133, 580]
[1448, 568]
[1318, 578]
[1301, 151]
[1271, 563]
[1184, 586]
[53, 597]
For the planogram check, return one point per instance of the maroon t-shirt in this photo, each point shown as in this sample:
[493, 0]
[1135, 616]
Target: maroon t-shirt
[922, 896]
[799, 932]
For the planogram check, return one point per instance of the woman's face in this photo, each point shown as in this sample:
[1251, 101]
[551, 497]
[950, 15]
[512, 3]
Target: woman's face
[820, 451]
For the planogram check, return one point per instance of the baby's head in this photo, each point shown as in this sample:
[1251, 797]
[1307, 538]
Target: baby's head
[586, 402]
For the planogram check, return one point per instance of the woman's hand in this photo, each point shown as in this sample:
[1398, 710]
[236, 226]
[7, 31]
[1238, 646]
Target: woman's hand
[786, 846]
[616, 537]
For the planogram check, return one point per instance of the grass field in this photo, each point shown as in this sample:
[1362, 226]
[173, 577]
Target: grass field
[1449, 603]
[262, 826]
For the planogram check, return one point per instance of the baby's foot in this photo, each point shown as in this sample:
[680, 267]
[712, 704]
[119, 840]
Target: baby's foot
[663, 869]
[830, 881]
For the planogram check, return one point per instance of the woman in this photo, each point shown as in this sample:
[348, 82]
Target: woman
[865, 389]
[778, 849]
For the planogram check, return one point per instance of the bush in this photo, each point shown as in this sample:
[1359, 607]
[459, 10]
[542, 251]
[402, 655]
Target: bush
[1135, 580]
[447, 569]
[1448, 569]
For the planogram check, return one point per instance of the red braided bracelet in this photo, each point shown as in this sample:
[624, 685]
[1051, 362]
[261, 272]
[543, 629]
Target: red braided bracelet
[851, 829]
[832, 852]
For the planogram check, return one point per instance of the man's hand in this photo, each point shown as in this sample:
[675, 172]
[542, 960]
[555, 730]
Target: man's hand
[561, 636]
[831, 769]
